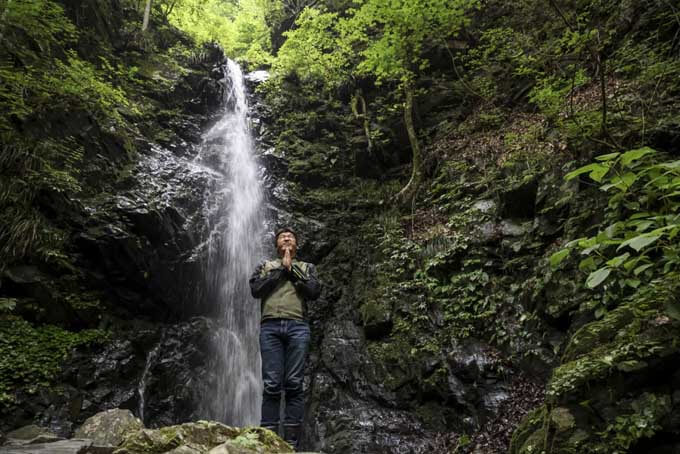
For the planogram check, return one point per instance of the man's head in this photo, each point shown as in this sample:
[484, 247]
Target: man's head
[286, 239]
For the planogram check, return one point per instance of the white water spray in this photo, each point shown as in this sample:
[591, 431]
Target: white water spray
[235, 248]
[141, 387]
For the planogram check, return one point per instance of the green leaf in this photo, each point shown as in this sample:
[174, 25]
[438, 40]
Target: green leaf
[670, 165]
[599, 172]
[611, 230]
[641, 268]
[596, 171]
[558, 257]
[634, 283]
[634, 155]
[597, 277]
[617, 261]
[639, 241]
[607, 157]
[644, 214]
[586, 264]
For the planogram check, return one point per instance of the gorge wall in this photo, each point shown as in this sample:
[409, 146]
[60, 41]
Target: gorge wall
[443, 326]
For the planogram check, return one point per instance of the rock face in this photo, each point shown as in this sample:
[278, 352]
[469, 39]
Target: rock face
[134, 235]
[109, 427]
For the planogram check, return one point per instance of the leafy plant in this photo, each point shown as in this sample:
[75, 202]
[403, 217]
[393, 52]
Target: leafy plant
[30, 357]
[636, 241]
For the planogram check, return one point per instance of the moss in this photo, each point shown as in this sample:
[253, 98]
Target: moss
[528, 428]
[561, 419]
[202, 436]
[623, 341]
[374, 313]
[593, 407]
[31, 356]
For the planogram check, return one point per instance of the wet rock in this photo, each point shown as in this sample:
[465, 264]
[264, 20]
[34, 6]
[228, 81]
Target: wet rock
[109, 376]
[485, 206]
[511, 228]
[29, 435]
[486, 232]
[108, 427]
[74, 446]
[28, 432]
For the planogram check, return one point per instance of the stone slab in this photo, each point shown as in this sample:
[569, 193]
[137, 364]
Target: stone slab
[74, 446]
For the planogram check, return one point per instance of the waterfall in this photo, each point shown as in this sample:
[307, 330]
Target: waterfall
[236, 216]
[141, 387]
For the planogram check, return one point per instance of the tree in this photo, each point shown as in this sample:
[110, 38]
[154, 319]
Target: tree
[315, 49]
[147, 12]
[395, 35]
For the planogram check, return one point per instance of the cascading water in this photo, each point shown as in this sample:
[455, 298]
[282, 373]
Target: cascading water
[141, 387]
[236, 219]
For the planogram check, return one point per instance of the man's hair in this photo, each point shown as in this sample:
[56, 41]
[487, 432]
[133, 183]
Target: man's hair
[285, 229]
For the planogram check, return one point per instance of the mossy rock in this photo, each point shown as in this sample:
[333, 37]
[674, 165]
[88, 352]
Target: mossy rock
[201, 437]
[607, 395]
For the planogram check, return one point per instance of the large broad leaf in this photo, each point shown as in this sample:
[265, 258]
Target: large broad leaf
[639, 242]
[607, 157]
[634, 155]
[596, 171]
[599, 172]
[596, 277]
[670, 165]
[641, 268]
[618, 261]
[587, 264]
[558, 257]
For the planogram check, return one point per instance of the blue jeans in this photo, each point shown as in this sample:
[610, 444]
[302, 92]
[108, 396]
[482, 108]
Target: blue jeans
[283, 344]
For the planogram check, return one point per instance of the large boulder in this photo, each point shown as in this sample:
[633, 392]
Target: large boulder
[200, 437]
[108, 428]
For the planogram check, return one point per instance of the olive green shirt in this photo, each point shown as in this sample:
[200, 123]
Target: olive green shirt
[283, 301]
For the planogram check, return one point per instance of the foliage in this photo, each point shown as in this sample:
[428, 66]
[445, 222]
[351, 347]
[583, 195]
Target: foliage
[314, 49]
[32, 356]
[648, 412]
[405, 31]
[636, 241]
[42, 75]
[239, 26]
[32, 169]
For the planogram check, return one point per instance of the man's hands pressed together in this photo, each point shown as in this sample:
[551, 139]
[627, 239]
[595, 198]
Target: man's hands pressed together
[287, 260]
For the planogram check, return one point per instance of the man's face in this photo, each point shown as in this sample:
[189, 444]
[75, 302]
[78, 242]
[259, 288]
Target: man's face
[286, 240]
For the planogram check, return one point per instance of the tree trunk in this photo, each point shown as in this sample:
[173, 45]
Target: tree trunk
[409, 191]
[358, 100]
[147, 13]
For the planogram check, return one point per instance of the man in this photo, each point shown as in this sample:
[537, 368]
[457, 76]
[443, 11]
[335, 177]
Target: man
[284, 285]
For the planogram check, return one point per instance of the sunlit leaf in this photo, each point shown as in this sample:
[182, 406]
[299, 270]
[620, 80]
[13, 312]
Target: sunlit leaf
[558, 257]
[641, 268]
[597, 277]
[639, 242]
[634, 155]
[617, 261]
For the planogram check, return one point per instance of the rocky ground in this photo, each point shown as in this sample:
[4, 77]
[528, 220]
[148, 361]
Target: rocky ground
[120, 432]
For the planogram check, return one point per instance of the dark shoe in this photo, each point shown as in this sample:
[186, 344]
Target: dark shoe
[291, 433]
[272, 427]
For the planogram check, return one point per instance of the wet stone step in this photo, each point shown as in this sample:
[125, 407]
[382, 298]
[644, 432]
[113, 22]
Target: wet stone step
[74, 446]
